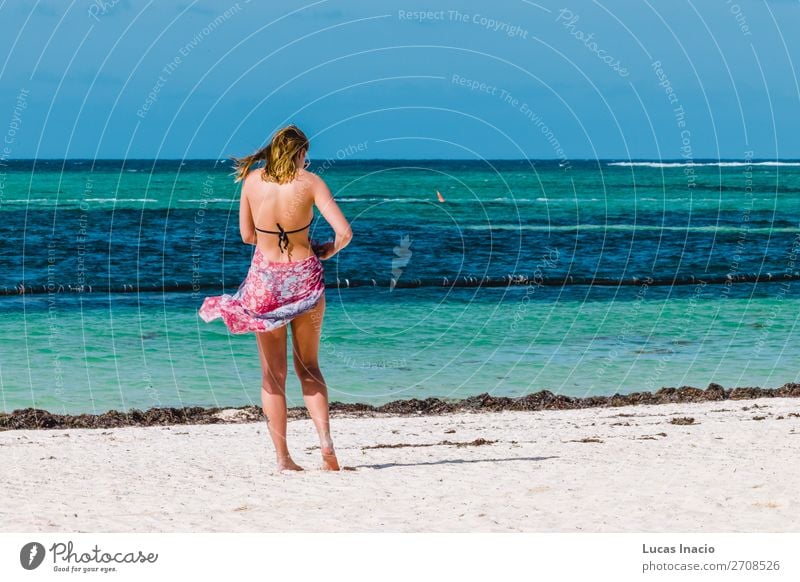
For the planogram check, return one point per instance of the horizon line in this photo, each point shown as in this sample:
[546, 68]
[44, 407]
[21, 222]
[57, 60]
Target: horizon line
[355, 159]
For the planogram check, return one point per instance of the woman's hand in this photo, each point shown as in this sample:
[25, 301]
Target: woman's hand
[323, 250]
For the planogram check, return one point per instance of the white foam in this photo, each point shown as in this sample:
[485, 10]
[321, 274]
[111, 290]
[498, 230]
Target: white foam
[702, 164]
[117, 200]
[625, 228]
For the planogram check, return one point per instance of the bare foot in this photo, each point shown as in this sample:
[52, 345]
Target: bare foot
[329, 462]
[287, 464]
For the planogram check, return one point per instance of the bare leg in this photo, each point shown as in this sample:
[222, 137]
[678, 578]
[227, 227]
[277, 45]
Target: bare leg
[306, 331]
[272, 352]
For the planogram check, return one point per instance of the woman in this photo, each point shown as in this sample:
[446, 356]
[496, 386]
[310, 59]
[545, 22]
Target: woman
[285, 283]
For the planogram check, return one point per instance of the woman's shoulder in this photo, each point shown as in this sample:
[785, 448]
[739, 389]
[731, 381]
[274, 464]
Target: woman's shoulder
[315, 180]
[254, 174]
[306, 180]
[308, 174]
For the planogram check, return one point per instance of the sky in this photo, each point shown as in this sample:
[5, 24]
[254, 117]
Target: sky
[656, 79]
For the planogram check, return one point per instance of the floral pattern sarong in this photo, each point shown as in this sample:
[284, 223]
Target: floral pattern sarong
[272, 294]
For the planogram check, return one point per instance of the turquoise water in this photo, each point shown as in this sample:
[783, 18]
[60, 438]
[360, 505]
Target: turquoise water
[168, 226]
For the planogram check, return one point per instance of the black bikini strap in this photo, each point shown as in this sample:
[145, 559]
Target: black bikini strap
[283, 235]
[283, 238]
[286, 231]
[297, 230]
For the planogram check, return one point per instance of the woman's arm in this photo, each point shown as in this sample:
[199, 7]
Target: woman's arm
[247, 228]
[323, 199]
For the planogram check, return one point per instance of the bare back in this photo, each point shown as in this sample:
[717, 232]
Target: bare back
[288, 205]
[265, 205]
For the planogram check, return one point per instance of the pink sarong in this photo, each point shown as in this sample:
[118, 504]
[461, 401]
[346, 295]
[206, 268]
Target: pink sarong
[272, 294]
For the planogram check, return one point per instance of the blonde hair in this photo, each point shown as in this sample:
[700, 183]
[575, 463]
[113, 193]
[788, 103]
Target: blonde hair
[278, 156]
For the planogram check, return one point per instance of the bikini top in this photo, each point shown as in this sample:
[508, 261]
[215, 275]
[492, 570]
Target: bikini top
[283, 235]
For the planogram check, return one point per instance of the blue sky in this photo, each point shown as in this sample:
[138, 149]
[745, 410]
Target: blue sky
[654, 79]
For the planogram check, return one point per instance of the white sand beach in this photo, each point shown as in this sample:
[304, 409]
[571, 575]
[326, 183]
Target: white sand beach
[592, 470]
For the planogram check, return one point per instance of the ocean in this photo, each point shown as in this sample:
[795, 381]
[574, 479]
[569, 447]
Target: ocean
[578, 277]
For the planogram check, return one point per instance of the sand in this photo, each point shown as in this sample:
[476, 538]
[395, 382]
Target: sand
[623, 469]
